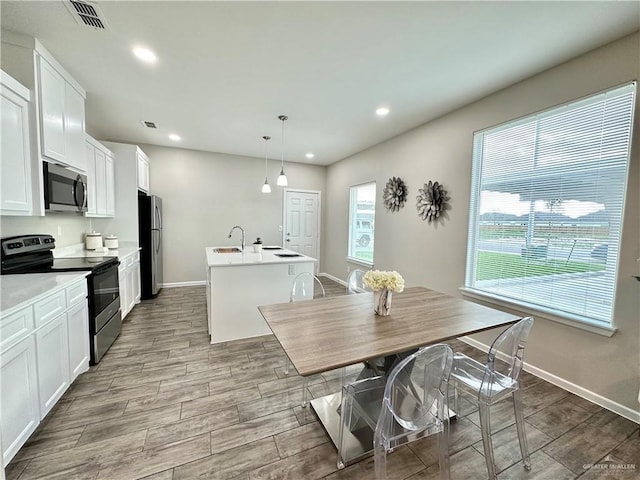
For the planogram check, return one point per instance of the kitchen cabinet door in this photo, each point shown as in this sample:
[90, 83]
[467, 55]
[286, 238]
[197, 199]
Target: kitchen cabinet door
[131, 286]
[15, 153]
[136, 280]
[92, 184]
[124, 290]
[143, 172]
[78, 330]
[74, 129]
[52, 344]
[109, 186]
[101, 179]
[52, 109]
[18, 396]
[101, 182]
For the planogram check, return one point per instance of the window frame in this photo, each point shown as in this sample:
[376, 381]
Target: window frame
[520, 305]
[353, 189]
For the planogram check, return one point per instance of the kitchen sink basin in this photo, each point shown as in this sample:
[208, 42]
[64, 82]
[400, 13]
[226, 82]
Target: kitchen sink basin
[286, 255]
[227, 250]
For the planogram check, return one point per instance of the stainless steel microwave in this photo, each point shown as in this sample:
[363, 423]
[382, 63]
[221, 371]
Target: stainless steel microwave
[64, 189]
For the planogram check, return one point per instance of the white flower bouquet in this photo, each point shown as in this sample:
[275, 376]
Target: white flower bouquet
[380, 280]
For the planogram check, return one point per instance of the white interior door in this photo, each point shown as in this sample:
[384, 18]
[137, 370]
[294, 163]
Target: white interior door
[302, 222]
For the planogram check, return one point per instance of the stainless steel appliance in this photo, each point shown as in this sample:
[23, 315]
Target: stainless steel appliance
[64, 189]
[150, 241]
[32, 254]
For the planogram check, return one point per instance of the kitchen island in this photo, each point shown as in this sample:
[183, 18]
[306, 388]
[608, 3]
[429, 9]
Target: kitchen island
[237, 282]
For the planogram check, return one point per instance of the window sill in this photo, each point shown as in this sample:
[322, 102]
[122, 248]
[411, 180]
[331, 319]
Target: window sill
[536, 312]
[359, 261]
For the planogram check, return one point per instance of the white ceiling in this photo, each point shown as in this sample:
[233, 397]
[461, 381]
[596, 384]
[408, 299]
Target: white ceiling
[226, 70]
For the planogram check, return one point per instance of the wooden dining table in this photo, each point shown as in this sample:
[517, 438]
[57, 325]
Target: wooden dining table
[332, 332]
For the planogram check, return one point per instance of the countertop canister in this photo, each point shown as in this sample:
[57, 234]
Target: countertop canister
[93, 240]
[111, 242]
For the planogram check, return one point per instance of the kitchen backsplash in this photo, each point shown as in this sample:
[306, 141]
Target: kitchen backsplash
[67, 229]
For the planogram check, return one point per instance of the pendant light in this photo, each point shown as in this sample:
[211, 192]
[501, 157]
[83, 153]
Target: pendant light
[282, 178]
[266, 188]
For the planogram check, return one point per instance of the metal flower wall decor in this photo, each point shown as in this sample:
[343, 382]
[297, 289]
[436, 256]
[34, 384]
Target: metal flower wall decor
[395, 194]
[432, 201]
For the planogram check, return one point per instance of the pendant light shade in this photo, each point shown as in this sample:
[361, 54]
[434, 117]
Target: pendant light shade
[282, 178]
[266, 188]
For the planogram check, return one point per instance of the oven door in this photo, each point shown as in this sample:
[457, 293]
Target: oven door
[64, 189]
[104, 294]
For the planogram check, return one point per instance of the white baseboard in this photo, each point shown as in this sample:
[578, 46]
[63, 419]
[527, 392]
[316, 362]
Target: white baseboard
[331, 277]
[198, 283]
[593, 397]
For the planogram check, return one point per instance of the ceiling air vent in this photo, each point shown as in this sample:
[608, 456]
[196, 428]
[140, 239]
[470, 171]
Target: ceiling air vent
[87, 13]
[149, 124]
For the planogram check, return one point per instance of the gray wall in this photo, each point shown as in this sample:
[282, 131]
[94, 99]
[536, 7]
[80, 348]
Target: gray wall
[67, 229]
[205, 194]
[435, 256]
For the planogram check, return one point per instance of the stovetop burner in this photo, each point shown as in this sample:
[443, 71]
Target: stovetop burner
[32, 254]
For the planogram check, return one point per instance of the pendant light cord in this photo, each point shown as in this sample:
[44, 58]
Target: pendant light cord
[266, 147]
[283, 118]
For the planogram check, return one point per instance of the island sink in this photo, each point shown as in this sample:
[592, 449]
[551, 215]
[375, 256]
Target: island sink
[287, 255]
[227, 250]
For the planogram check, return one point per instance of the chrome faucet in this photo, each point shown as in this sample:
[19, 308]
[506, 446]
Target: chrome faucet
[242, 230]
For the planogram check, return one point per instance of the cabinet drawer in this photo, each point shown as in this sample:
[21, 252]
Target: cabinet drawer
[15, 327]
[129, 260]
[76, 293]
[49, 308]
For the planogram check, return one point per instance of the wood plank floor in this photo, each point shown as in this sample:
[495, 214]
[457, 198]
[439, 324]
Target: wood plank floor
[164, 404]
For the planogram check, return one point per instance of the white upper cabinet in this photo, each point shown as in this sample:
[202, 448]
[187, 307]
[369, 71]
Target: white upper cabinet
[92, 196]
[52, 112]
[143, 172]
[100, 179]
[58, 100]
[74, 128]
[56, 122]
[15, 151]
[61, 115]
[110, 185]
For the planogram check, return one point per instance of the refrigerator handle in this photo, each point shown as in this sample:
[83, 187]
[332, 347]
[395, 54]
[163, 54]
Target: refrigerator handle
[158, 218]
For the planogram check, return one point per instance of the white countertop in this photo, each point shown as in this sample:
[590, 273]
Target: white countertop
[248, 257]
[74, 251]
[17, 291]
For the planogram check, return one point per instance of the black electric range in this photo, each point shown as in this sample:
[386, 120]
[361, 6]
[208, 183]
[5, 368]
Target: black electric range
[33, 254]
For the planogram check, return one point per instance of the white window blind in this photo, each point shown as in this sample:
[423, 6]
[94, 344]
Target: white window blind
[547, 202]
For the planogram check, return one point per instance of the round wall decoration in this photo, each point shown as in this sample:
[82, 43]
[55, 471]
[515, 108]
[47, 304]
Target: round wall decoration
[395, 194]
[432, 201]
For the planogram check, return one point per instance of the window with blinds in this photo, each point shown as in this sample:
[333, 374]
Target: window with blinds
[547, 201]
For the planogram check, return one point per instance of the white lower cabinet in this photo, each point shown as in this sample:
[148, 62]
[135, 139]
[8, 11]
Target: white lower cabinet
[52, 345]
[129, 278]
[18, 396]
[78, 329]
[44, 347]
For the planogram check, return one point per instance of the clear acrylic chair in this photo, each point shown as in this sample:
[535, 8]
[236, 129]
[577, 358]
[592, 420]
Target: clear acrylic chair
[494, 381]
[410, 404]
[355, 282]
[304, 288]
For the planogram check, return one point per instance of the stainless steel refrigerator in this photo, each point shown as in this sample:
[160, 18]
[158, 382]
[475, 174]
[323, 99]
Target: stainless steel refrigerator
[150, 237]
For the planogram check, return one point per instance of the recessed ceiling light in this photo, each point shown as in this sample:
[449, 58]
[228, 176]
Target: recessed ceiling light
[145, 54]
[309, 155]
[382, 111]
[175, 138]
